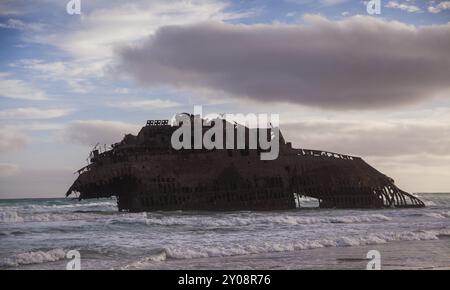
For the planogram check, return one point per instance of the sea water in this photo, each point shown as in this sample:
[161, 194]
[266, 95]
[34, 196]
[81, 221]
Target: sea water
[38, 233]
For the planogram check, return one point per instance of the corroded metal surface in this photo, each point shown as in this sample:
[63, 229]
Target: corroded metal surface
[146, 174]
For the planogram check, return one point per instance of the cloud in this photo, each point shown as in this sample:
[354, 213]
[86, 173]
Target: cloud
[8, 169]
[36, 126]
[403, 6]
[122, 91]
[107, 24]
[332, 2]
[146, 104]
[33, 113]
[20, 25]
[91, 132]
[75, 73]
[361, 62]
[91, 38]
[11, 139]
[372, 138]
[19, 89]
[8, 7]
[36, 182]
[444, 5]
[416, 172]
[322, 2]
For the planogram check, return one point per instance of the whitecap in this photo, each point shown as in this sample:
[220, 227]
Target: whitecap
[34, 257]
[10, 217]
[190, 252]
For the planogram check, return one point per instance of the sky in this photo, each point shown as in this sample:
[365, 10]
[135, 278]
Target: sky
[341, 79]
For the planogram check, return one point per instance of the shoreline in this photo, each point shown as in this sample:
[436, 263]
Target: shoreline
[397, 255]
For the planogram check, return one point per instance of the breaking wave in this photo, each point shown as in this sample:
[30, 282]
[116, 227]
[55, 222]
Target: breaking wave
[243, 221]
[158, 257]
[75, 205]
[205, 221]
[193, 252]
[36, 208]
[182, 252]
[223, 221]
[34, 257]
[15, 217]
[30, 229]
[10, 217]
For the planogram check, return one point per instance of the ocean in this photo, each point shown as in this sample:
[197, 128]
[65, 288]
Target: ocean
[38, 233]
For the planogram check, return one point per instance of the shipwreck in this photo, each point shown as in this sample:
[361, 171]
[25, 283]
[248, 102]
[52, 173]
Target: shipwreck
[145, 173]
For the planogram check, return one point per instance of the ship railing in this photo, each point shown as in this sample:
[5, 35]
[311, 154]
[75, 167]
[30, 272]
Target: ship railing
[84, 169]
[321, 153]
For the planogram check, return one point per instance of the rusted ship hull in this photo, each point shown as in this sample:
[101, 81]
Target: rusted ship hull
[238, 180]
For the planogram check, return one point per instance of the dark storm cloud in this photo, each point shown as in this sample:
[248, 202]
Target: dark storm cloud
[360, 62]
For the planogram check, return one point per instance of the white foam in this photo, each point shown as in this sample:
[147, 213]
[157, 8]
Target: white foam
[183, 252]
[162, 256]
[251, 220]
[91, 204]
[51, 217]
[10, 217]
[444, 232]
[36, 257]
[53, 207]
[14, 217]
[109, 205]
